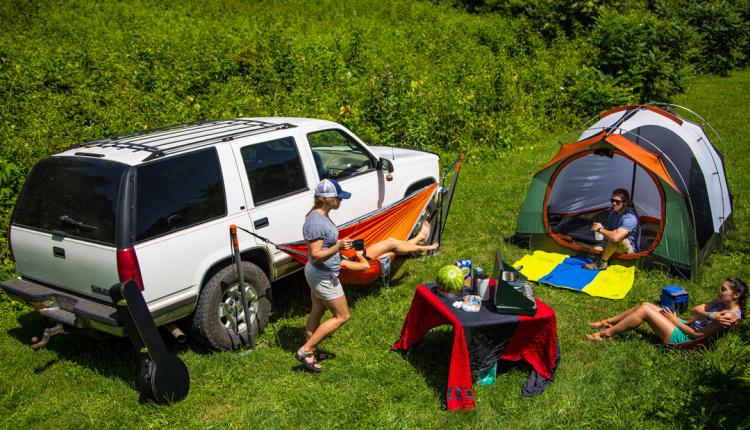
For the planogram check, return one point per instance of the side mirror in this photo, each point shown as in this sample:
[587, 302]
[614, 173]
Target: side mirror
[385, 164]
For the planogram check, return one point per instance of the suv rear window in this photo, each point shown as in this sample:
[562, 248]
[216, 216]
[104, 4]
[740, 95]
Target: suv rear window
[76, 196]
[179, 192]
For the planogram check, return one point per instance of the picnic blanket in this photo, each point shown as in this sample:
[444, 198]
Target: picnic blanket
[559, 270]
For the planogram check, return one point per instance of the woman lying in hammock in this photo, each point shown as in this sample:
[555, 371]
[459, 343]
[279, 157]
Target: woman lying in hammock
[390, 247]
[709, 320]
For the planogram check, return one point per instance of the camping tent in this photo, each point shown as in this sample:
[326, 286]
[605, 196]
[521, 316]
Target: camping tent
[673, 172]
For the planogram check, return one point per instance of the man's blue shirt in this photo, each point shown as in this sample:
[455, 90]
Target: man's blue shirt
[629, 221]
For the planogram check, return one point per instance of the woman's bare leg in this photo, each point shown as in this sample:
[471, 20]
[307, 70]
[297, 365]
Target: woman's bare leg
[316, 314]
[646, 312]
[607, 322]
[424, 233]
[398, 247]
[340, 311]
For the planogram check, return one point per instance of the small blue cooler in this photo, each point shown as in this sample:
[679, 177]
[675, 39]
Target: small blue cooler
[674, 298]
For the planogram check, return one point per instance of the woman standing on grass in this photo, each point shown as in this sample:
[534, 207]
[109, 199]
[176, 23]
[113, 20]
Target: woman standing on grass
[709, 320]
[324, 263]
[322, 270]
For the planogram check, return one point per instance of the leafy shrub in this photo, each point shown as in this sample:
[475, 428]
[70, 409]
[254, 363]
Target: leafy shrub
[591, 91]
[10, 182]
[643, 53]
[550, 18]
[724, 34]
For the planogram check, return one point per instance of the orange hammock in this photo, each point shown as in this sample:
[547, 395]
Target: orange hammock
[396, 220]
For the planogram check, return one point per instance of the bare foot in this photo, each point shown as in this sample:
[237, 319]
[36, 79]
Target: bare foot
[598, 336]
[424, 249]
[600, 324]
[424, 232]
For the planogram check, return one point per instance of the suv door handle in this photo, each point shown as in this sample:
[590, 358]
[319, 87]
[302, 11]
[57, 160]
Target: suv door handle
[263, 222]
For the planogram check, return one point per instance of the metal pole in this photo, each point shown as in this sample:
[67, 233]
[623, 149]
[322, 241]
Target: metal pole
[241, 285]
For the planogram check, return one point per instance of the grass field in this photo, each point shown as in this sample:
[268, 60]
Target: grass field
[632, 382]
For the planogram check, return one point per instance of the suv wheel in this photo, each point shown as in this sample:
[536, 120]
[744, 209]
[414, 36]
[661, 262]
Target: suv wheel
[220, 310]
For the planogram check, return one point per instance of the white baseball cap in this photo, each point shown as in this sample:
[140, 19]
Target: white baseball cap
[330, 188]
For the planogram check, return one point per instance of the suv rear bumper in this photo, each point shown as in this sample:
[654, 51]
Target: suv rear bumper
[65, 308]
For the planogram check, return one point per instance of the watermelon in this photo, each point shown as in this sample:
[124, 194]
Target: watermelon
[450, 279]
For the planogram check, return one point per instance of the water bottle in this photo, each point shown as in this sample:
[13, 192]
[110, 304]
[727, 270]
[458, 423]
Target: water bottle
[482, 283]
[598, 236]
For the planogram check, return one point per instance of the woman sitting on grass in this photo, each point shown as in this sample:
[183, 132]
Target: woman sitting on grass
[709, 320]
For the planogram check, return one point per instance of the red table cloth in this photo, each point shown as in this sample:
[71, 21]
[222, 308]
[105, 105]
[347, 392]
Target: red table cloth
[532, 339]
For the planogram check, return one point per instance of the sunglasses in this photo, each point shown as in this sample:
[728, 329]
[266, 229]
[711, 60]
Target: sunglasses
[615, 201]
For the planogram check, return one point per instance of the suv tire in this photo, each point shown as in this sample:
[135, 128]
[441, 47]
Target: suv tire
[213, 314]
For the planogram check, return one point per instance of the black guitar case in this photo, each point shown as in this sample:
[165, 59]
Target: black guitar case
[163, 377]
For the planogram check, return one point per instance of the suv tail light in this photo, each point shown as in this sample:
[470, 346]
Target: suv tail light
[10, 248]
[127, 266]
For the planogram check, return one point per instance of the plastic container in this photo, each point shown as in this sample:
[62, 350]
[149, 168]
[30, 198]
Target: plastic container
[472, 303]
[465, 266]
[478, 273]
[486, 377]
[675, 298]
[483, 286]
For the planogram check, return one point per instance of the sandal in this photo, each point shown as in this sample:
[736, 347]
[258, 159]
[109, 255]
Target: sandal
[597, 265]
[604, 324]
[310, 366]
[600, 335]
[324, 355]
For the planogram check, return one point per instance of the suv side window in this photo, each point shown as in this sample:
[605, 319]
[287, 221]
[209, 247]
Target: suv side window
[179, 192]
[337, 155]
[274, 169]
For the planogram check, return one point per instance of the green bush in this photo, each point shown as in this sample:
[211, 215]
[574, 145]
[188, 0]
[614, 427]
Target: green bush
[724, 34]
[10, 180]
[643, 53]
[551, 18]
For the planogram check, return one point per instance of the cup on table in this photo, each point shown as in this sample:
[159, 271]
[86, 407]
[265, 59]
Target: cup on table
[483, 285]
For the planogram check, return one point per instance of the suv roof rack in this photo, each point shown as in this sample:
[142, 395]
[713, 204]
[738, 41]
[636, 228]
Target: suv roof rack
[172, 139]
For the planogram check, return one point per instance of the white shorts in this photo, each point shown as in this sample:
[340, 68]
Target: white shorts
[324, 285]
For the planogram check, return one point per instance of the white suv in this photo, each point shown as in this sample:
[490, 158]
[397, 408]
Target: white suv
[155, 207]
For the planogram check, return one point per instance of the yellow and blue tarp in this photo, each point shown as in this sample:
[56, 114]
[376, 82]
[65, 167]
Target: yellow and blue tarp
[559, 270]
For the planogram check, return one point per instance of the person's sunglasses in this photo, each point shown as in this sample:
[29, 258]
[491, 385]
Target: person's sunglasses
[615, 201]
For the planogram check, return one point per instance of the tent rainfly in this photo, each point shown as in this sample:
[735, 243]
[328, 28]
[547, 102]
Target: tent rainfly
[676, 180]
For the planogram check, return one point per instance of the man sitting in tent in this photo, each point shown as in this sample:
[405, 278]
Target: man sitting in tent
[623, 231]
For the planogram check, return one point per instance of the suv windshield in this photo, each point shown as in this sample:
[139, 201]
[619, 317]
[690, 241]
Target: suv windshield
[75, 196]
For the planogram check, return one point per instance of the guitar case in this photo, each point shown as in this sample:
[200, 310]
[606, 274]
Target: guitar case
[163, 377]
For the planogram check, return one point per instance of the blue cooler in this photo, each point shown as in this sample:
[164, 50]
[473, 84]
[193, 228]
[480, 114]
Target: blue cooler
[674, 298]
